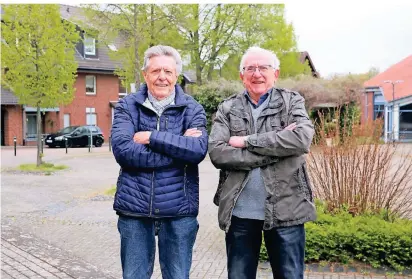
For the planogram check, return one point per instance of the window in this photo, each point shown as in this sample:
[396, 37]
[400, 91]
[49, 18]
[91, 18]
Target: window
[122, 89]
[379, 111]
[89, 46]
[91, 117]
[90, 85]
[378, 105]
[66, 120]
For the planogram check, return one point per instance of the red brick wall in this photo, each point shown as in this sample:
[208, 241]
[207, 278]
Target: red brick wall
[51, 122]
[367, 107]
[107, 89]
[13, 124]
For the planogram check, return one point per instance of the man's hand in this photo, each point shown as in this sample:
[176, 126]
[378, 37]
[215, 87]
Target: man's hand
[142, 137]
[238, 142]
[193, 132]
[291, 127]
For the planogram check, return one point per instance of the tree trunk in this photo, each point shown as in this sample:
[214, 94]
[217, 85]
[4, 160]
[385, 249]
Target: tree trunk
[215, 33]
[151, 25]
[196, 51]
[39, 137]
[136, 47]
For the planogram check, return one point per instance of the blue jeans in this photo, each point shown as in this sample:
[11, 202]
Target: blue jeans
[285, 247]
[176, 237]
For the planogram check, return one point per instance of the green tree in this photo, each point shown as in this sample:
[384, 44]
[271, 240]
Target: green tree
[213, 35]
[132, 28]
[38, 55]
[265, 26]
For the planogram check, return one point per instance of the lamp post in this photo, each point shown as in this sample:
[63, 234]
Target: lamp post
[393, 106]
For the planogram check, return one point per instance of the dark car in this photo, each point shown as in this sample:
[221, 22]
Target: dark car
[76, 136]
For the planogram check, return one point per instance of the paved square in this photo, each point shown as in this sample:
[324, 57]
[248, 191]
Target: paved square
[63, 226]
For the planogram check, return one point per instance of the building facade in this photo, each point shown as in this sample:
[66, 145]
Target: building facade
[389, 96]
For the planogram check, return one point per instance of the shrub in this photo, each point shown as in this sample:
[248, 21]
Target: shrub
[359, 171]
[211, 94]
[366, 238]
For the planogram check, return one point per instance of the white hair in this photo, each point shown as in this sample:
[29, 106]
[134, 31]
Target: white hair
[273, 59]
[160, 50]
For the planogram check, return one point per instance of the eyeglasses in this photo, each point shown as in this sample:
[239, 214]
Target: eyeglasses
[156, 72]
[252, 69]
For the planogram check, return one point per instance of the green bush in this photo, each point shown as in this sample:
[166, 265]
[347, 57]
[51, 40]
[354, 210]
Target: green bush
[366, 238]
[211, 94]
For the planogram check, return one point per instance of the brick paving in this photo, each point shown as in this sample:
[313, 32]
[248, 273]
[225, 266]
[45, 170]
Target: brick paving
[62, 226]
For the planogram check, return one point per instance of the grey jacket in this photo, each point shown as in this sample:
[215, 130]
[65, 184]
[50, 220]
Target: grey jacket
[278, 152]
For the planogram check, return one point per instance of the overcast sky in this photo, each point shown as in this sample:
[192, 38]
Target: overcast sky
[348, 36]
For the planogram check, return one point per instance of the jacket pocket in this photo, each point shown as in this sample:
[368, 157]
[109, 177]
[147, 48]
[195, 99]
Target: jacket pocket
[237, 126]
[304, 183]
[308, 182]
[223, 175]
[277, 124]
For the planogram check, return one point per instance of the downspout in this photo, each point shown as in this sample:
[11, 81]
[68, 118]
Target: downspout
[366, 106]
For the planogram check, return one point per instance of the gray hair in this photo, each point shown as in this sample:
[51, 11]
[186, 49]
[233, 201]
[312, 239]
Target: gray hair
[160, 50]
[274, 61]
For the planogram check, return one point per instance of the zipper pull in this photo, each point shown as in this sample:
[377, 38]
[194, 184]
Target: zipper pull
[167, 120]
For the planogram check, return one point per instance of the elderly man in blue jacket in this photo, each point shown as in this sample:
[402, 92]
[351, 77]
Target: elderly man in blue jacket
[159, 137]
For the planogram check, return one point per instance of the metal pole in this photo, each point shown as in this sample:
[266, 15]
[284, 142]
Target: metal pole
[65, 144]
[110, 143]
[42, 144]
[15, 146]
[91, 141]
[393, 114]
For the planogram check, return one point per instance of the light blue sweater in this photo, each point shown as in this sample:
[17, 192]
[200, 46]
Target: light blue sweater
[251, 202]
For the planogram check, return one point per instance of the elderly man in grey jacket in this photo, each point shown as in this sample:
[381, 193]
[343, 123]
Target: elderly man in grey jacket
[258, 141]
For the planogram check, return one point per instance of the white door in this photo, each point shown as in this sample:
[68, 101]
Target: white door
[66, 120]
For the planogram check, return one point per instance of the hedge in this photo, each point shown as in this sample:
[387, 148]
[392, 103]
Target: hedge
[369, 239]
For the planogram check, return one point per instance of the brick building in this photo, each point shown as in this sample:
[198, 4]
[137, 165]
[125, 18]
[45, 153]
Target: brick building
[97, 88]
[389, 96]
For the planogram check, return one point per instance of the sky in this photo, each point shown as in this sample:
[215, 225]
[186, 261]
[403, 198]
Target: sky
[351, 37]
[341, 36]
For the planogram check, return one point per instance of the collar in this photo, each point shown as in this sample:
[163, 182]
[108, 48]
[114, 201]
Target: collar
[261, 99]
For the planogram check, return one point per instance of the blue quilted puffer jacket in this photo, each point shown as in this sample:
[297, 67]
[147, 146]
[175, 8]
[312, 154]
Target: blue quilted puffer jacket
[160, 179]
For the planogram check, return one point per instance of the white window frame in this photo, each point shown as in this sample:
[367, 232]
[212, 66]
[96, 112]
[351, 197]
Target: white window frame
[122, 94]
[64, 120]
[91, 44]
[90, 112]
[94, 85]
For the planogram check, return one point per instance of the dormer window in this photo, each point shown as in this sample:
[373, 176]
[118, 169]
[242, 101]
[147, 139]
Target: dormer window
[89, 46]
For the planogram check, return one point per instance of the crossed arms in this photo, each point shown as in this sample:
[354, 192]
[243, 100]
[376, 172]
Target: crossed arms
[157, 149]
[258, 150]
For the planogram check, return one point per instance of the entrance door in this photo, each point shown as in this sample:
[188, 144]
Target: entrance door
[66, 120]
[3, 112]
[31, 128]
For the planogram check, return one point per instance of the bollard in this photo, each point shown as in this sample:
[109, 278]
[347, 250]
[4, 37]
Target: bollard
[42, 144]
[65, 144]
[90, 143]
[110, 144]
[15, 146]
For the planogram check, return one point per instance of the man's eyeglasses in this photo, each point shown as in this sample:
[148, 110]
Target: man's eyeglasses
[156, 72]
[262, 69]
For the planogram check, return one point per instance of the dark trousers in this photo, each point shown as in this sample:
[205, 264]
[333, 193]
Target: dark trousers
[285, 247]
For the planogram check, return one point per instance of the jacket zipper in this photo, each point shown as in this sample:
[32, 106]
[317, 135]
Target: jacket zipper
[184, 180]
[153, 174]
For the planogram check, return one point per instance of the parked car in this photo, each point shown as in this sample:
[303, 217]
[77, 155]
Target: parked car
[76, 136]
